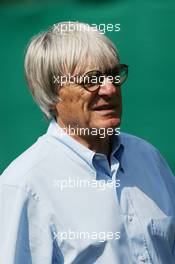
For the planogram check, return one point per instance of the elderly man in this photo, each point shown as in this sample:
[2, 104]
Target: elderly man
[84, 192]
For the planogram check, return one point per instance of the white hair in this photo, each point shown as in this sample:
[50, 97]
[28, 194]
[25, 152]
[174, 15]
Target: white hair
[59, 51]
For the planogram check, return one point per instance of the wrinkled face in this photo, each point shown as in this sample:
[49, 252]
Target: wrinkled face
[98, 109]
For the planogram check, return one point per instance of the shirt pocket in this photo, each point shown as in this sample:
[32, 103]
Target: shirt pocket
[162, 234]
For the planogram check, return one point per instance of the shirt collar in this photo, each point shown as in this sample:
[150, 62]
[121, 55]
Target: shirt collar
[56, 131]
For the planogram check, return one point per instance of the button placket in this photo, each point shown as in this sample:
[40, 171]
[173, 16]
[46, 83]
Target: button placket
[130, 218]
[135, 233]
[142, 259]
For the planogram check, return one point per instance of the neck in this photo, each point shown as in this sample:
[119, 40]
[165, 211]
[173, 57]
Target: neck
[94, 143]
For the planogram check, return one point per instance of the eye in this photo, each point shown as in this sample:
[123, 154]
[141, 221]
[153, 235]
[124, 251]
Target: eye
[92, 78]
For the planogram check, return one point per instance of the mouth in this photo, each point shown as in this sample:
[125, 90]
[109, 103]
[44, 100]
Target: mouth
[104, 107]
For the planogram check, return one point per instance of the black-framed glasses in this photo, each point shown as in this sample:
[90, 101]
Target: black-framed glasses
[93, 79]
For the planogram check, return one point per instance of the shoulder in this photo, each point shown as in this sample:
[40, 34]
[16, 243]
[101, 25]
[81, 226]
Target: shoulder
[136, 144]
[144, 153]
[141, 150]
[19, 169]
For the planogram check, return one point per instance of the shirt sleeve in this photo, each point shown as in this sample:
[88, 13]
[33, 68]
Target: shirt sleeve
[25, 237]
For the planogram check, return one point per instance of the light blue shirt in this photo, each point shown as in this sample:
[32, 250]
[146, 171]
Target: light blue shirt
[62, 203]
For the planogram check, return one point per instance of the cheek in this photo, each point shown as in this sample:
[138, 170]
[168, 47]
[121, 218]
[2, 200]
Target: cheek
[68, 97]
[74, 105]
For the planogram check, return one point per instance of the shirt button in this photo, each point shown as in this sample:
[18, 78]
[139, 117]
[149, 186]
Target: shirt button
[142, 259]
[130, 218]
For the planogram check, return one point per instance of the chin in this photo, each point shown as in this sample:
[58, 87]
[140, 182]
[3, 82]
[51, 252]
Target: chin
[108, 123]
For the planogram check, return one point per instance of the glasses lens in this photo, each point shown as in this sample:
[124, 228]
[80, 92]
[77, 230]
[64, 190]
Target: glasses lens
[119, 74]
[92, 80]
[123, 73]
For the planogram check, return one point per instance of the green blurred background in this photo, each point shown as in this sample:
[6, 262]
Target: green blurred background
[146, 42]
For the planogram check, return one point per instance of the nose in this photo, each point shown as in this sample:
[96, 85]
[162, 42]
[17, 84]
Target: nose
[107, 88]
